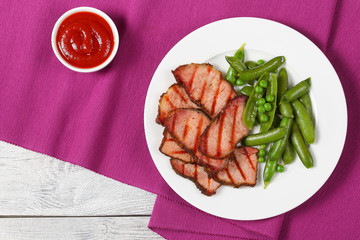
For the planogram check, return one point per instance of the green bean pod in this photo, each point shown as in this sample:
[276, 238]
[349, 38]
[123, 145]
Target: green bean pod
[301, 147]
[269, 170]
[289, 153]
[304, 121]
[306, 100]
[230, 76]
[250, 64]
[265, 137]
[236, 64]
[250, 110]
[278, 147]
[254, 73]
[240, 53]
[246, 90]
[271, 90]
[297, 91]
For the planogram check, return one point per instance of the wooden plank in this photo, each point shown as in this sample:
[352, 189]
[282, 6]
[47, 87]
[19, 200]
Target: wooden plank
[36, 184]
[85, 228]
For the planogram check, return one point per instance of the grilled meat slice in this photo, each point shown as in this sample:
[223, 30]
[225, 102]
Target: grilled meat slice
[241, 171]
[175, 97]
[226, 130]
[205, 86]
[170, 148]
[186, 126]
[197, 174]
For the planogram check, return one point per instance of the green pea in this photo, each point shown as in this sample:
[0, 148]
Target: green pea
[272, 89]
[263, 83]
[270, 98]
[261, 159]
[261, 109]
[264, 118]
[259, 89]
[280, 168]
[262, 153]
[260, 61]
[268, 107]
[261, 101]
[239, 82]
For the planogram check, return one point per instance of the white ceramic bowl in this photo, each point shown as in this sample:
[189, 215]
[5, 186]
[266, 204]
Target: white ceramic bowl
[92, 10]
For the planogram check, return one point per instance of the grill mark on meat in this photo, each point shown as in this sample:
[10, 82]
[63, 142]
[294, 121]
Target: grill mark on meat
[232, 138]
[215, 99]
[180, 95]
[198, 133]
[193, 76]
[170, 140]
[240, 170]
[186, 128]
[220, 135]
[169, 101]
[229, 176]
[203, 90]
[179, 152]
[248, 158]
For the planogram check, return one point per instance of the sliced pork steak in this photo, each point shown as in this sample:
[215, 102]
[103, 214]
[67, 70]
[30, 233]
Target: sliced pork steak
[197, 174]
[241, 171]
[175, 97]
[205, 86]
[225, 131]
[170, 148]
[186, 126]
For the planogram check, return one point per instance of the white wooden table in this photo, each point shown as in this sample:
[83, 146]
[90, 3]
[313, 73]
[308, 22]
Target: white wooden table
[45, 198]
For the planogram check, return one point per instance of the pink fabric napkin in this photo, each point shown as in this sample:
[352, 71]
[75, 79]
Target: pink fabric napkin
[96, 120]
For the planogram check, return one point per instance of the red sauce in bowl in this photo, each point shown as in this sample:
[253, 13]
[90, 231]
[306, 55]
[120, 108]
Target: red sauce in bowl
[85, 40]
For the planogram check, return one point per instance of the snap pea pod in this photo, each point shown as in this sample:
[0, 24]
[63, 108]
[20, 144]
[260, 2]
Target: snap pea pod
[269, 170]
[284, 108]
[254, 73]
[251, 64]
[246, 90]
[236, 64]
[265, 137]
[303, 119]
[240, 53]
[306, 100]
[289, 153]
[300, 146]
[297, 91]
[271, 90]
[250, 110]
[282, 83]
[230, 76]
[278, 147]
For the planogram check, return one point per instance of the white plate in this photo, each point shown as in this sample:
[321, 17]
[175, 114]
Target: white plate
[264, 39]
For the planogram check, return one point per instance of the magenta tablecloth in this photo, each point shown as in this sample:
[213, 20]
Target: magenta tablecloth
[96, 120]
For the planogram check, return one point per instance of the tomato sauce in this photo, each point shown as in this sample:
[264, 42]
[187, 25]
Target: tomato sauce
[85, 40]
